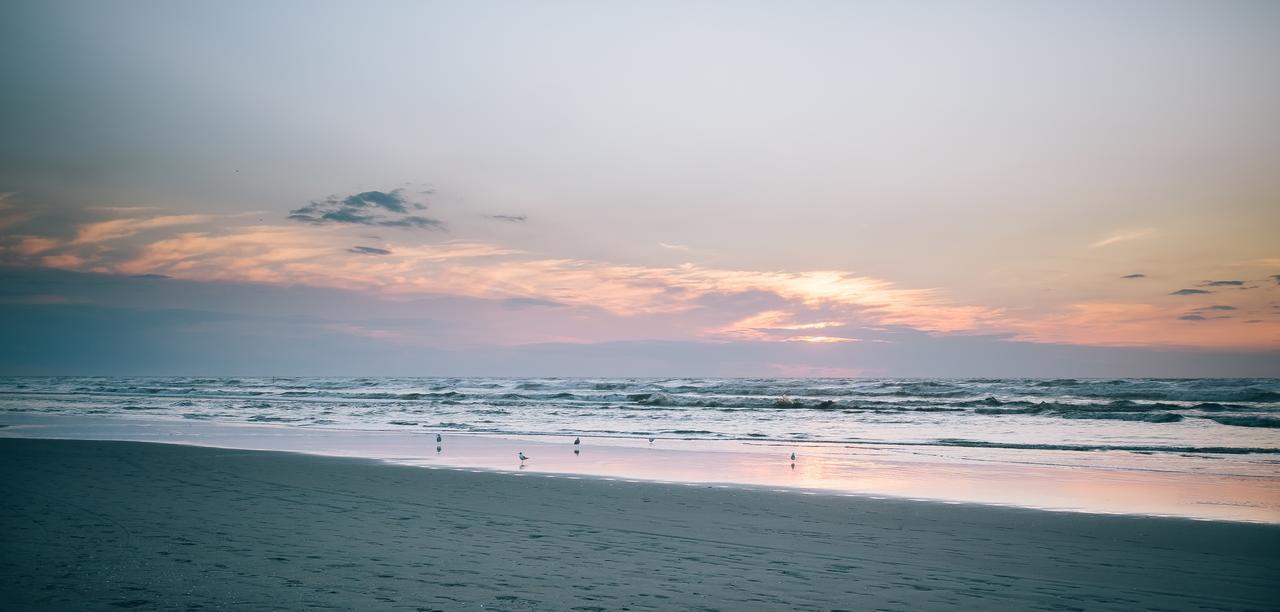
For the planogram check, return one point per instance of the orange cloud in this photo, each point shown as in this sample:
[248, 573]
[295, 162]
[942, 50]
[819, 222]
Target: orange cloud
[35, 246]
[103, 231]
[1121, 236]
[811, 300]
[1129, 324]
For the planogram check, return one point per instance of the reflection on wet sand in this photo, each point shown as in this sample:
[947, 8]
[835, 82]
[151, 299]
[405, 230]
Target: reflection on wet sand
[1059, 480]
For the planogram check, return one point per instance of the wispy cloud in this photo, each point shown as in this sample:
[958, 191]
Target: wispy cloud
[1222, 283]
[35, 246]
[115, 229]
[773, 325]
[1132, 276]
[645, 301]
[1121, 236]
[521, 303]
[820, 339]
[509, 218]
[10, 213]
[673, 247]
[1136, 324]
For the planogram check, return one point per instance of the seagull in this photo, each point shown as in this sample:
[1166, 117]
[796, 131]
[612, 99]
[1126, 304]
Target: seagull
[438, 438]
[577, 441]
[522, 457]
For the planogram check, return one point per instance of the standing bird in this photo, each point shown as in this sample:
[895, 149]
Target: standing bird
[439, 439]
[521, 456]
[651, 440]
[793, 457]
[577, 441]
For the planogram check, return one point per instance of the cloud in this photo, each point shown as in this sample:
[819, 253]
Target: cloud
[374, 208]
[1192, 317]
[1121, 236]
[10, 214]
[104, 231]
[35, 246]
[1221, 283]
[646, 301]
[63, 261]
[1222, 307]
[778, 325]
[673, 247]
[820, 339]
[1134, 276]
[367, 250]
[521, 303]
[509, 218]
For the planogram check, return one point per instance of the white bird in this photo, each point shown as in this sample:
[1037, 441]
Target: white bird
[438, 438]
[521, 455]
[577, 441]
[793, 456]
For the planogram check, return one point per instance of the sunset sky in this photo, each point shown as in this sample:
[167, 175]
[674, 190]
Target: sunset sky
[653, 188]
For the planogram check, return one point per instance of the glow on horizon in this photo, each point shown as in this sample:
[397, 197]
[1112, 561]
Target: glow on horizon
[193, 247]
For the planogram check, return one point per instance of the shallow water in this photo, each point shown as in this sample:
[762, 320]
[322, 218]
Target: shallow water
[1096, 482]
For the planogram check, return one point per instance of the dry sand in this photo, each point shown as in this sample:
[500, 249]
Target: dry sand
[112, 525]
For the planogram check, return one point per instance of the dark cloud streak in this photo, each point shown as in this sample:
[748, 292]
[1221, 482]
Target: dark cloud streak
[366, 250]
[373, 208]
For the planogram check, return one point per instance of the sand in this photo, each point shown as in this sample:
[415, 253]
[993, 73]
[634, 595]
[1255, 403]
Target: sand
[120, 525]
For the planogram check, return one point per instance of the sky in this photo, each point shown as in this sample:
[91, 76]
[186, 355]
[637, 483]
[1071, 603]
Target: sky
[640, 189]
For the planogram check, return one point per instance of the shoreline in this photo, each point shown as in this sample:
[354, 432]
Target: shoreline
[989, 479]
[124, 524]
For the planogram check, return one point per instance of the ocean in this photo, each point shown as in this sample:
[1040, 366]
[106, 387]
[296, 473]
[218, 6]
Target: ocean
[1206, 416]
[1204, 448]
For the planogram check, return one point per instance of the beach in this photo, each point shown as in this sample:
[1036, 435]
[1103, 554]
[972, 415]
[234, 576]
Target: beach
[649, 306]
[112, 525]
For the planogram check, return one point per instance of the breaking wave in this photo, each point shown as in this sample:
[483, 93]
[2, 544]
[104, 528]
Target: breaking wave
[1189, 415]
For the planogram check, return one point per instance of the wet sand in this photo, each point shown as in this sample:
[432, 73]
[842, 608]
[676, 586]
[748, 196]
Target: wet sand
[1227, 487]
[120, 525]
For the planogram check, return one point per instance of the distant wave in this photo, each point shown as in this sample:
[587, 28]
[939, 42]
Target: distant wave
[1247, 421]
[1189, 415]
[1211, 450]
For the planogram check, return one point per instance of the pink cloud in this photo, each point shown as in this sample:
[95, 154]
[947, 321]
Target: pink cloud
[604, 300]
